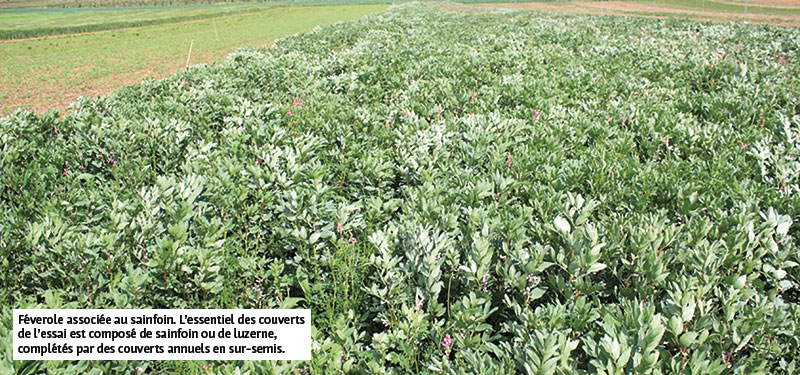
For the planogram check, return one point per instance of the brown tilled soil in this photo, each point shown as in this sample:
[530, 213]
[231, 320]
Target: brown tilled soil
[59, 93]
[629, 8]
[765, 3]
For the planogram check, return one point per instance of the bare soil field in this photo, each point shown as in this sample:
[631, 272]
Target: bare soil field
[766, 3]
[630, 8]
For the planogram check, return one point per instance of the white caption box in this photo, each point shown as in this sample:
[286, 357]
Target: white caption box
[153, 334]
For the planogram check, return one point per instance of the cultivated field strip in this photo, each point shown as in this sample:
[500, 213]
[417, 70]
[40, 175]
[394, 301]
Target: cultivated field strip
[448, 192]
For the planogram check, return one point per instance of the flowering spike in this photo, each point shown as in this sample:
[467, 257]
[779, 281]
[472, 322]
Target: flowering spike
[447, 342]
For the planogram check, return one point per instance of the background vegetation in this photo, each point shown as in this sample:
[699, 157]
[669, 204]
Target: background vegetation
[94, 4]
[27, 23]
[52, 72]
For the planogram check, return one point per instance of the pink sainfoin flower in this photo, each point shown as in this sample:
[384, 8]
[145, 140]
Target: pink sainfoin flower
[55, 131]
[536, 114]
[288, 113]
[782, 60]
[508, 161]
[352, 239]
[296, 102]
[742, 145]
[65, 171]
[447, 342]
[339, 228]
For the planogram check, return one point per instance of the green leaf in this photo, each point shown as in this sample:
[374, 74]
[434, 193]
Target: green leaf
[536, 293]
[562, 225]
[688, 338]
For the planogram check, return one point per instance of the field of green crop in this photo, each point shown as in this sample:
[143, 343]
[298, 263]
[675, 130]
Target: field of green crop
[28, 23]
[115, 4]
[52, 72]
[449, 193]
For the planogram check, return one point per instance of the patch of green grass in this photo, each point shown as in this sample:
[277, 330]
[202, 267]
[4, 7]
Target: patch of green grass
[99, 60]
[28, 23]
[96, 4]
[21, 4]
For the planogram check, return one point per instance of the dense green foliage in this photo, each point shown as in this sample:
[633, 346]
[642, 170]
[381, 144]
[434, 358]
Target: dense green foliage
[449, 193]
